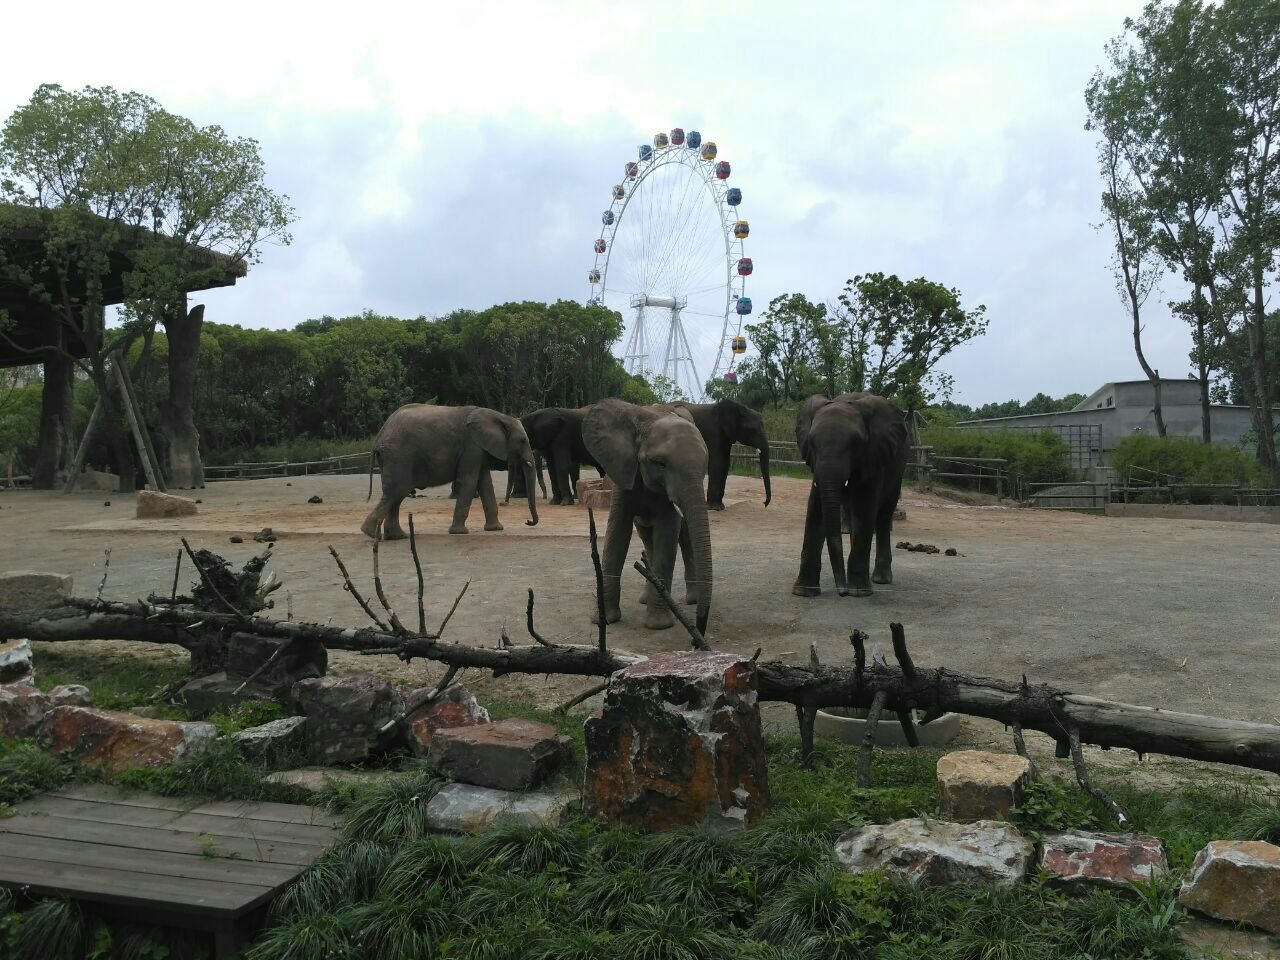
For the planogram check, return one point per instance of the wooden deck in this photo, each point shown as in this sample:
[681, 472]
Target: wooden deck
[212, 867]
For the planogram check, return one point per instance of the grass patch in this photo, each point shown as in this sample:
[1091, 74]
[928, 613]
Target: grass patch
[116, 680]
[217, 770]
[26, 770]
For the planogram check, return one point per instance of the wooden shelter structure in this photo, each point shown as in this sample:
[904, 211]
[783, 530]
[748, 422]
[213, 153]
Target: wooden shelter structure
[38, 332]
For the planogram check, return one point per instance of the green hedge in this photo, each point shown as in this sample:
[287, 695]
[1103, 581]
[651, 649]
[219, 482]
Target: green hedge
[1188, 461]
[1033, 457]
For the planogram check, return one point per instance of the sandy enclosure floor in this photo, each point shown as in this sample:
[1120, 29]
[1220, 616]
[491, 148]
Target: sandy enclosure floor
[1176, 613]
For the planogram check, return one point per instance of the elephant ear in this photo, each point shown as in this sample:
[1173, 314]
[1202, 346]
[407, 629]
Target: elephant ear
[611, 432]
[804, 422]
[886, 428]
[489, 430]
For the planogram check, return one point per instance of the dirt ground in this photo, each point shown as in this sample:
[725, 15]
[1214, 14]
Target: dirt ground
[1179, 614]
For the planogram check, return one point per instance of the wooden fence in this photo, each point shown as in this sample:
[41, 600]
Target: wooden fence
[344, 463]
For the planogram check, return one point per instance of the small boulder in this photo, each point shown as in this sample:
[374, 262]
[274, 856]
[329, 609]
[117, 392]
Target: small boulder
[265, 535]
[15, 662]
[951, 552]
[236, 539]
[1079, 859]
[318, 779]
[456, 707]
[976, 785]
[989, 852]
[218, 693]
[153, 505]
[99, 480]
[345, 716]
[273, 744]
[115, 742]
[1237, 881]
[507, 755]
[464, 808]
[315, 498]
[29, 590]
[71, 695]
[22, 707]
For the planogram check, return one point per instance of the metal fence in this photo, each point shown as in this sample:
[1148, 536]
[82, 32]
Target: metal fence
[1083, 440]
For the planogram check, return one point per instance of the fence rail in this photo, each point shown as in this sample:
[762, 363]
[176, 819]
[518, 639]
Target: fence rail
[258, 470]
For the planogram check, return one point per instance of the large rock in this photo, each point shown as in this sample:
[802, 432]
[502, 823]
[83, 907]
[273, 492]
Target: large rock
[976, 785]
[345, 716]
[988, 852]
[678, 742]
[15, 662]
[247, 653]
[507, 755]
[596, 493]
[218, 693]
[274, 744]
[114, 742]
[153, 505]
[456, 707]
[22, 707]
[465, 808]
[319, 779]
[99, 480]
[1236, 880]
[1079, 859]
[30, 590]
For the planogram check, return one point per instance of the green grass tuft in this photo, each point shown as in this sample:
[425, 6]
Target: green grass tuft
[53, 929]
[26, 770]
[216, 770]
[392, 810]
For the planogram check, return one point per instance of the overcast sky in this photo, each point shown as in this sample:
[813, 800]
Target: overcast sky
[458, 155]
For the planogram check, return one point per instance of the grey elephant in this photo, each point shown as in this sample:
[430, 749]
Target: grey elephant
[856, 445]
[657, 461]
[722, 424]
[423, 445]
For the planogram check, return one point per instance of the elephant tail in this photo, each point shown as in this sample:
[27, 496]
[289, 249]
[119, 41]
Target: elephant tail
[372, 455]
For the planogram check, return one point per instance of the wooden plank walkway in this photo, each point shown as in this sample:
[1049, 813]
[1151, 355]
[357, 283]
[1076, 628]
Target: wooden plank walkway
[211, 867]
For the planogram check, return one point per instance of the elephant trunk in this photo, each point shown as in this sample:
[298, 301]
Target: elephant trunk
[764, 472]
[693, 503]
[532, 491]
[831, 495]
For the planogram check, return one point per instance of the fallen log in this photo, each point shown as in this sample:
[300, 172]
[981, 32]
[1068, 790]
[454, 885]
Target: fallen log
[1041, 707]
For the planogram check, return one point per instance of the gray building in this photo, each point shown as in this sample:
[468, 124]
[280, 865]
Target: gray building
[1117, 410]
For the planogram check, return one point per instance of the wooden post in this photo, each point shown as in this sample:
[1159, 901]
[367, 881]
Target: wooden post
[131, 415]
[83, 450]
[148, 450]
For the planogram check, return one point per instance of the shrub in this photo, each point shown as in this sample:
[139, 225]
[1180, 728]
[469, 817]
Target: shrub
[1041, 457]
[1186, 460]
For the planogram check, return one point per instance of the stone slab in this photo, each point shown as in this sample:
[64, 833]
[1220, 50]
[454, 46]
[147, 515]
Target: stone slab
[1236, 880]
[216, 693]
[465, 808]
[274, 744]
[153, 505]
[1079, 859]
[977, 785]
[97, 480]
[319, 779]
[33, 590]
[507, 755]
[455, 707]
[114, 741]
[988, 852]
[345, 716]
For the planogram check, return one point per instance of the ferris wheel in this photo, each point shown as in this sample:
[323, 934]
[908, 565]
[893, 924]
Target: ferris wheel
[670, 259]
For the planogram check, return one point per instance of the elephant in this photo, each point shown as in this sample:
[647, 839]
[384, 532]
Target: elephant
[722, 424]
[657, 461]
[424, 445]
[556, 433]
[856, 445]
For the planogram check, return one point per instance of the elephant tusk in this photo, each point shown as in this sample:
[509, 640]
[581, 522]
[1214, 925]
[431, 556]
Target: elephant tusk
[679, 512]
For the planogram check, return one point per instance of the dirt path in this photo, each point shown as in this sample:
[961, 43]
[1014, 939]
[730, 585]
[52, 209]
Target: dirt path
[1182, 614]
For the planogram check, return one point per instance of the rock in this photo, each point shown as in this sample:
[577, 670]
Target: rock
[22, 707]
[507, 755]
[274, 743]
[1236, 880]
[318, 779]
[71, 695]
[345, 716]
[106, 503]
[153, 505]
[217, 693]
[1079, 859]
[988, 852]
[976, 785]
[464, 808]
[98, 480]
[916, 547]
[596, 493]
[15, 662]
[899, 516]
[236, 539]
[678, 742]
[114, 741]
[315, 499]
[456, 707]
[951, 552]
[248, 653]
[265, 535]
[29, 590]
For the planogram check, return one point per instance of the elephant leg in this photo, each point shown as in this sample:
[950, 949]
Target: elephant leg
[645, 529]
[372, 525]
[666, 537]
[808, 582]
[570, 483]
[391, 529]
[557, 486]
[462, 505]
[617, 540]
[862, 515]
[717, 475]
[691, 585]
[488, 500]
[883, 572]
[846, 518]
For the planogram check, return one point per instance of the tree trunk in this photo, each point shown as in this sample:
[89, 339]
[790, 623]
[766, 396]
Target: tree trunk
[1152, 375]
[56, 448]
[116, 431]
[177, 416]
[1263, 387]
[1202, 362]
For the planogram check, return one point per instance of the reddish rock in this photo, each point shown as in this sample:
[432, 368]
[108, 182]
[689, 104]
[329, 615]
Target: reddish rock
[22, 707]
[678, 742]
[115, 741]
[1236, 880]
[345, 716]
[1079, 858]
[596, 493]
[507, 755]
[153, 505]
[456, 707]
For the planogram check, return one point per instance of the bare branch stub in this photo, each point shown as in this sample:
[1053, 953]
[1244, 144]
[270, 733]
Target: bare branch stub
[429, 697]
[207, 579]
[177, 569]
[396, 625]
[595, 562]
[528, 616]
[417, 564]
[869, 738]
[805, 717]
[900, 651]
[695, 637]
[584, 695]
[449, 616]
[859, 641]
[106, 568]
[908, 724]
[350, 587]
[1082, 778]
